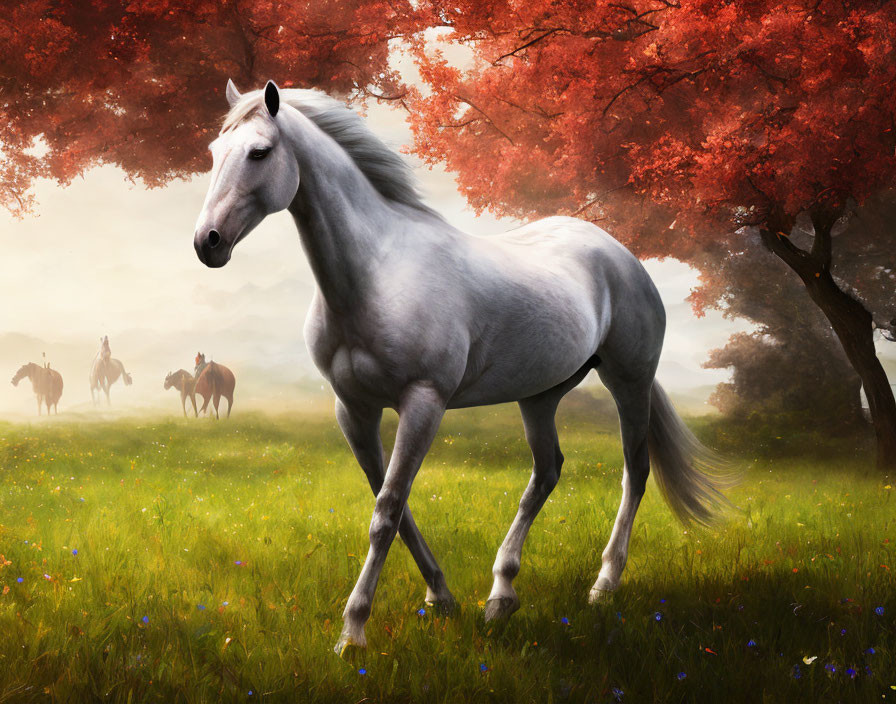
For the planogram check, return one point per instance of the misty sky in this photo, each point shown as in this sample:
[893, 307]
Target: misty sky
[107, 256]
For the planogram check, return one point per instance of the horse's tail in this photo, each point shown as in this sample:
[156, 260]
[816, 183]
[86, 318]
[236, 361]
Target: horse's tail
[690, 476]
[124, 375]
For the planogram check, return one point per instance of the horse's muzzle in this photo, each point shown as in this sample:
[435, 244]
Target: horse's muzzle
[211, 248]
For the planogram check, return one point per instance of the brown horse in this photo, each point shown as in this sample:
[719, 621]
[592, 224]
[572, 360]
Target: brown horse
[214, 380]
[46, 382]
[184, 382]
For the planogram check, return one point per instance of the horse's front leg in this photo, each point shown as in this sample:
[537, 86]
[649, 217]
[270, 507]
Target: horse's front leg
[361, 428]
[419, 414]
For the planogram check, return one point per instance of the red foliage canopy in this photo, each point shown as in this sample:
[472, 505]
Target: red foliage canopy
[140, 83]
[719, 112]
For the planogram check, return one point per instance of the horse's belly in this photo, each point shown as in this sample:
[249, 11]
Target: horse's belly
[525, 366]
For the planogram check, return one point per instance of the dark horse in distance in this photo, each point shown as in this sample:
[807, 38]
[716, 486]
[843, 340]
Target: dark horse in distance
[213, 381]
[46, 382]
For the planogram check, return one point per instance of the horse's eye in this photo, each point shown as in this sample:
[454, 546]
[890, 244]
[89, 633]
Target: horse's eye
[257, 154]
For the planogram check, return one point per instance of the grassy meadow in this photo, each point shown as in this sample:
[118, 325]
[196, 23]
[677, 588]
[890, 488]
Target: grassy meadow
[170, 560]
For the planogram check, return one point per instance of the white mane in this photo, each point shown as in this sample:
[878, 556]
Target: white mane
[386, 170]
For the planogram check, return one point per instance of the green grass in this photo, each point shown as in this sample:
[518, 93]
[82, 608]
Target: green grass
[270, 515]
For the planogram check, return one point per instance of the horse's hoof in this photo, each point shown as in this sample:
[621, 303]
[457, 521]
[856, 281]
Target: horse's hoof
[347, 646]
[600, 596]
[501, 607]
[445, 606]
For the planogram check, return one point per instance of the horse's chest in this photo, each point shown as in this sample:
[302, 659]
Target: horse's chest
[355, 369]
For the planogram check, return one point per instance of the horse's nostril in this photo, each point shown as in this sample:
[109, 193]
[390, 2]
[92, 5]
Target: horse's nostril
[214, 239]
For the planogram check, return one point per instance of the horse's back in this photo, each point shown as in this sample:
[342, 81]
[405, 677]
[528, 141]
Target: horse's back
[574, 245]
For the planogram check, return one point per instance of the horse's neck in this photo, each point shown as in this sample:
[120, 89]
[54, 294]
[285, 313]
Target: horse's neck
[342, 219]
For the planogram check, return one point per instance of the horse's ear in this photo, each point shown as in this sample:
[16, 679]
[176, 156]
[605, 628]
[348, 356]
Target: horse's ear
[233, 95]
[272, 98]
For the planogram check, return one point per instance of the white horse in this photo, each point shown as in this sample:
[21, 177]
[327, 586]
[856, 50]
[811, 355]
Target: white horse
[414, 315]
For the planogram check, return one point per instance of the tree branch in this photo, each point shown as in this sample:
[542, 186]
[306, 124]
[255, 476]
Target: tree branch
[524, 46]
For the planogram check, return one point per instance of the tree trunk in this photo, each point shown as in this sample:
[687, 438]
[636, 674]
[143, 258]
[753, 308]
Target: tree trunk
[850, 320]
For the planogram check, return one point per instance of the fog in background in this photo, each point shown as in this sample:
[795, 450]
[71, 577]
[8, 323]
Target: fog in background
[106, 256]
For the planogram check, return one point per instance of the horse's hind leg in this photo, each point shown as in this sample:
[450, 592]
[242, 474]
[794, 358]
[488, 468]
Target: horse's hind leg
[229, 404]
[216, 402]
[362, 431]
[633, 403]
[541, 434]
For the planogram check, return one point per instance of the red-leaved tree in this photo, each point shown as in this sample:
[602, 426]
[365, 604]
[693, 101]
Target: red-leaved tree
[681, 124]
[140, 83]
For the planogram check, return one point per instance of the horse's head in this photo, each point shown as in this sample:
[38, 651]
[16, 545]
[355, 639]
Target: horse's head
[24, 370]
[169, 380]
[254, 173]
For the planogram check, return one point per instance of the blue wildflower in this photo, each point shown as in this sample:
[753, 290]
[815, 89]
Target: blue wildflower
[483, 667]
[797, 673]
[681, 675]
[842, 631]
[75, 551]
[830, 667]
[868, 670]
[617, 694]
[851, 672]
[421, 612]
[145, 619]
[658, 616]
[201, 607]
[879, 611]
[20, 580]
[662, 601]
[870, 651]
[564, 621]
[751, 643]
[362, 671]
